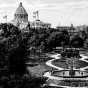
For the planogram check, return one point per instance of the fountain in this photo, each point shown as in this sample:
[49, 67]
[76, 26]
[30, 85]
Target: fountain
[72, 76]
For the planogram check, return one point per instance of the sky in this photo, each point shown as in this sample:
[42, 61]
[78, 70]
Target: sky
[56, 12]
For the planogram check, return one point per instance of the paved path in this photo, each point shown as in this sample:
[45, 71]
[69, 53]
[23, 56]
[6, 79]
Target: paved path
[57, 56]
[83, 59]
[49, 63]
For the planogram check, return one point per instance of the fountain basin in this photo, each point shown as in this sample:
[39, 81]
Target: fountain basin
[67, 74]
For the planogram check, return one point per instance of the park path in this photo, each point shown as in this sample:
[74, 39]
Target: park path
[57, 56]
[54, 78]
[49, 63]
[84, 59]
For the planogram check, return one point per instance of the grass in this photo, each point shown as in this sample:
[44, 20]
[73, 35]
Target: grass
[86, 59]
[38, 70]
[63, 64]
[41, 68]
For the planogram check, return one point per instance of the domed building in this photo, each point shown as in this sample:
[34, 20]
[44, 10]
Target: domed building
[20, 17]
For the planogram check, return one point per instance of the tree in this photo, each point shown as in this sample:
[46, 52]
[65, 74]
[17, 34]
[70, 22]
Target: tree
[82, 34]
[17, 59]
[77, 42]
[34, 82]
[57, 39]
[86, 43]
[11, 33]
[9, 30]
[13, 48]
[9, 39]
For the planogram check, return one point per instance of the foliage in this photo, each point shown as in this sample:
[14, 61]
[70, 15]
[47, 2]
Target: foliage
[8, 30]
[10, 47]
[77, 42]
[47, 39]
[17, 61]
[10, 34]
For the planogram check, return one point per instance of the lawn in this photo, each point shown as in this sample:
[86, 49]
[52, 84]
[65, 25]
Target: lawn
[40, 68]
[62, 63]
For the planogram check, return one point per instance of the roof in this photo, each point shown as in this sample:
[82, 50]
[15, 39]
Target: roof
[21, 10]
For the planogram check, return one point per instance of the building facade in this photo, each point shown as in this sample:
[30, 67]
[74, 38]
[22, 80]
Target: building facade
[21, 19]
[39, 24]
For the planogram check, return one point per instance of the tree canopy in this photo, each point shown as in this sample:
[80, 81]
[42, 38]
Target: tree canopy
[77, 42]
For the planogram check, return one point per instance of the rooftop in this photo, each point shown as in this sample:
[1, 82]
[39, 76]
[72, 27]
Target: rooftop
[21, 10]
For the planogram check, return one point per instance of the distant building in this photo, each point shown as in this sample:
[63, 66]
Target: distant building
[21, 19]
[39, 24]
[82, 28]
[71, 29]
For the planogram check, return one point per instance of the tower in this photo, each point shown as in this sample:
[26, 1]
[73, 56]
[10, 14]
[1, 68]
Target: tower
[36, 15]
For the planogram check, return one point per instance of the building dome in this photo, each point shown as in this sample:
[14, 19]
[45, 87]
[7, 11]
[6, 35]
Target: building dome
[21, 16]
[21, 10]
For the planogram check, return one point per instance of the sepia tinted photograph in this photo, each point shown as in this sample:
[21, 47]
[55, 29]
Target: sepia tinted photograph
[43, 43]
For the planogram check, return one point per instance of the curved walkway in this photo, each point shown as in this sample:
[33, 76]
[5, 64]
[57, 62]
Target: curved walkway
[57, 56]
[49, 63]
[83, 59]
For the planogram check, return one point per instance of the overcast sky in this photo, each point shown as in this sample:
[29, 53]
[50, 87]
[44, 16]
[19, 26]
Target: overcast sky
[57, 12]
